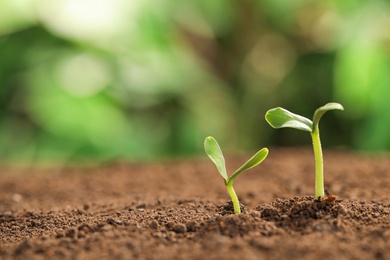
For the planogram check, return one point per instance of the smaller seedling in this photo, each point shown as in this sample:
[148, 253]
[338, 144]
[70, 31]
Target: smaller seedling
[280, 117]
[213, 150]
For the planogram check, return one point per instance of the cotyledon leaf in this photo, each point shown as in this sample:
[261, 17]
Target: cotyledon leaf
[252, 162]
[213, 151]
[280, 118]
[322, 110]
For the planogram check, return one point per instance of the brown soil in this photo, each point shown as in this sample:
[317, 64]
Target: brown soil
[180, 210]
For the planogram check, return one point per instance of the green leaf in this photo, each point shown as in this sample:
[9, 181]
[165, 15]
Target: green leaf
[213, 150]
[252, 162]
[280, 117]
[322, 110]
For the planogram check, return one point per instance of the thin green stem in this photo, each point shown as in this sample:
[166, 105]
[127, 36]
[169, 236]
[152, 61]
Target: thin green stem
[319, 181]
[233, 196]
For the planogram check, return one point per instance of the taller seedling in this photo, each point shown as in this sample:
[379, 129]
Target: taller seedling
[280, 117]
[214, 152]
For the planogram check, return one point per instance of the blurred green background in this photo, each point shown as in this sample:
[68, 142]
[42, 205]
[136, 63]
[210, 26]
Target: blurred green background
[139, 79]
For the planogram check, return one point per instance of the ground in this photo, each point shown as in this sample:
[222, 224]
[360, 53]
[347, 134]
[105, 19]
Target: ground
[180, 209]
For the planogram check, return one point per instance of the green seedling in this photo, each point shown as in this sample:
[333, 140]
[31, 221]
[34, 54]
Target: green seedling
[213, 150]
[280, 117]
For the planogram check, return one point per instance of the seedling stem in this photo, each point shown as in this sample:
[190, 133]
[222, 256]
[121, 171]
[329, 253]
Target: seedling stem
[233, 196]
[318, 158]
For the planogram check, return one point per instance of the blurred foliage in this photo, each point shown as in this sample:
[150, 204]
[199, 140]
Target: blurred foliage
[99, 79]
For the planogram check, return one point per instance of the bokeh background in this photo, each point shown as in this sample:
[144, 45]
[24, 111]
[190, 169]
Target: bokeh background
[142, 79]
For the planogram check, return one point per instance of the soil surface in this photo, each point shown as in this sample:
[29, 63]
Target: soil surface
[180, 210]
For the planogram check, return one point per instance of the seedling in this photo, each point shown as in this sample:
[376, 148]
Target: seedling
[213, 150]
[280, 117]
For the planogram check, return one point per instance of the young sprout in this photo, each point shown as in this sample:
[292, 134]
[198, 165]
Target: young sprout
[214, 152]
[280, 117]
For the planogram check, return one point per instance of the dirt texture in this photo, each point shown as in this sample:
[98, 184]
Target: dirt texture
[180, 210]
